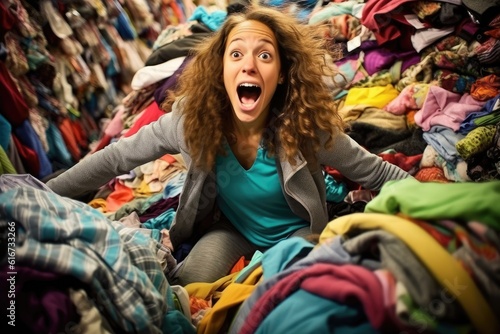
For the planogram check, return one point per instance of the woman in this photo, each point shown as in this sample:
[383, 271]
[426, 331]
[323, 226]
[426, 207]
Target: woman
[255, 123]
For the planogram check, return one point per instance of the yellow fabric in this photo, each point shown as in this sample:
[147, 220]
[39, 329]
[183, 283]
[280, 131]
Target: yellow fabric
[143, 190]
[6, 166]
[232, 297]
[377, 96]
[99, 204]
[441, 264]
[207, 290]
[373, 115]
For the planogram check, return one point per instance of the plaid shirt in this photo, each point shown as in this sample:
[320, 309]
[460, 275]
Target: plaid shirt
[119, 265]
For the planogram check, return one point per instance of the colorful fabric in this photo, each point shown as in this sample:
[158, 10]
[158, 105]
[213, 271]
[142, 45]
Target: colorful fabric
[446, 270]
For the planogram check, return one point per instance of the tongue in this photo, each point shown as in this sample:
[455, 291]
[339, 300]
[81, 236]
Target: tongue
[249, 98]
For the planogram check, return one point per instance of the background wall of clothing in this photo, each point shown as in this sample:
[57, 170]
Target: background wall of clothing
[65, 65]
[419, 85]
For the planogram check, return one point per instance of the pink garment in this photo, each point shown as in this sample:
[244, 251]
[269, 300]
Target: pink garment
[116, 125]
[341, 283]
[388, 285]
[442, 107]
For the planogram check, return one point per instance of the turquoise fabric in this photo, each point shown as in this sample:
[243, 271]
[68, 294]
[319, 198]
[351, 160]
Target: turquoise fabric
[335, 191]
[253, 200]
[308, 313]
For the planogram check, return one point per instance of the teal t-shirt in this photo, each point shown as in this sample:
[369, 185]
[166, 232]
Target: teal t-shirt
[253, 200]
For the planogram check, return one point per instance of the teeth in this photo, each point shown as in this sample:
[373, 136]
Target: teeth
[248, 85]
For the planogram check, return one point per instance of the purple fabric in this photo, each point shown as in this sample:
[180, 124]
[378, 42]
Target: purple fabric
[382, 58]
[159, 207]
[161, 92]
[42, 303]
[378, 58]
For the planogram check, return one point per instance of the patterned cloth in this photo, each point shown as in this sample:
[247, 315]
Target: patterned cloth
[68, 237]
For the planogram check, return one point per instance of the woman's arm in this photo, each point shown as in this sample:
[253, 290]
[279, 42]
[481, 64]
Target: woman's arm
[149, 143]
[358, 164]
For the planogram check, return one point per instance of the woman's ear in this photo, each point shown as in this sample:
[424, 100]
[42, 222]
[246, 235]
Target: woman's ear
[280, 79]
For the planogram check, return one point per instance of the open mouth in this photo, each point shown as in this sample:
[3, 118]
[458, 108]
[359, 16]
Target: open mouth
[248, 93]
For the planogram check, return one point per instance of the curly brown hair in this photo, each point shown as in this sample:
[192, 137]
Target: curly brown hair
[302, 105]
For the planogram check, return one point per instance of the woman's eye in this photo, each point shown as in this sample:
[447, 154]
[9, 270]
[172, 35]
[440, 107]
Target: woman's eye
[265, 55]
[235, 54]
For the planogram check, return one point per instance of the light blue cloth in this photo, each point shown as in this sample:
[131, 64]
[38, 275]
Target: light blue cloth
[213, 20]
[174, 185]
[444, 141]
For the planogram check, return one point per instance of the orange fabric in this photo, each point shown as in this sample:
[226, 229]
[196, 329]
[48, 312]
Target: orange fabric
[69, 139]
[410, 119]
[121, 195]
[197, 304]
[80, 136]
[485, 88]
[168, 158]
[238, 266]
[431, 174]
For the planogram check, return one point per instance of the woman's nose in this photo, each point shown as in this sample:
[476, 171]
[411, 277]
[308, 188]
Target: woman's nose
[249, 65]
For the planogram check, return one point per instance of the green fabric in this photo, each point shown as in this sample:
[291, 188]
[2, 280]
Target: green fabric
[488, 119]
[476, 141]
[465, 201]
[6, 166]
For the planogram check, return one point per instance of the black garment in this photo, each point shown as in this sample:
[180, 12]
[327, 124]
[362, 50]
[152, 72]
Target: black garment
[377, 139]
[180, 47]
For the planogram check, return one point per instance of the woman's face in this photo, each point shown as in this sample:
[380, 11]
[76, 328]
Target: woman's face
[252, 69]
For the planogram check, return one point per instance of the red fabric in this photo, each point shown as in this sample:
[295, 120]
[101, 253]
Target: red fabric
[386, 19]
[7, 19]
[28, 157]
[351, 185]
[89, 125]
[439, 236]
[151, 114]
[402, 161]
[105, 140]
[13, 107]
[69, 139]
